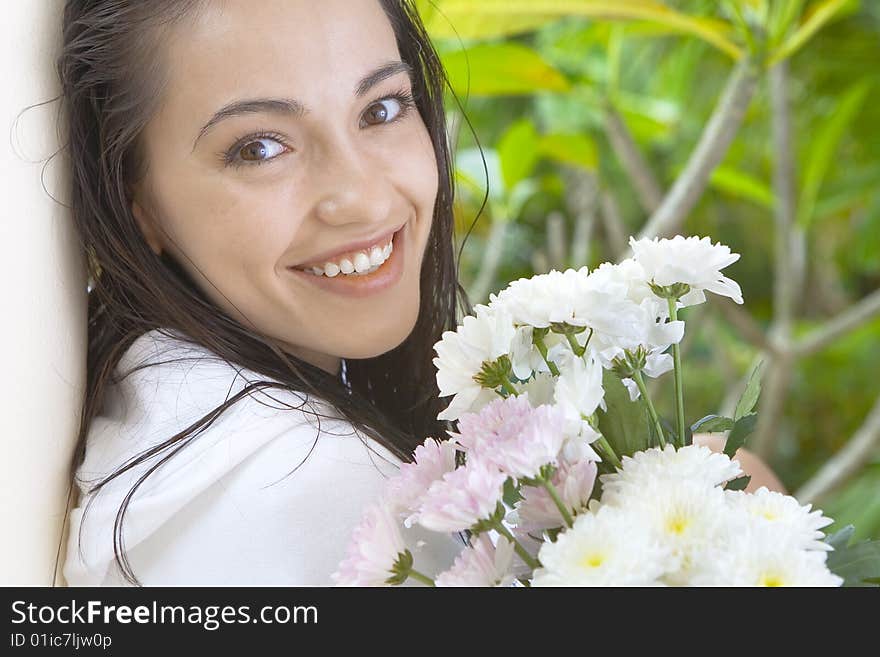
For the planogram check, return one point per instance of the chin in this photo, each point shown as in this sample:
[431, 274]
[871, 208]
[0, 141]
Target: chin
[383, 340]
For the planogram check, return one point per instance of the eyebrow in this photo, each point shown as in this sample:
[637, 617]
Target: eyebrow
[292, 107]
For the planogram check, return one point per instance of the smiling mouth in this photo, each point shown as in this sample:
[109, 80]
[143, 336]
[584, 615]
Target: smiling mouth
[358, 263]
[368, 283]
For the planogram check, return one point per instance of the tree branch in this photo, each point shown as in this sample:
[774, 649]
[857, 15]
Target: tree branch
[744, 323]
[786, 264]
[647, 189]
[843, 465]
[708, 153]
[850, 319]
[581, 191]
[612, 223]
[556, 240]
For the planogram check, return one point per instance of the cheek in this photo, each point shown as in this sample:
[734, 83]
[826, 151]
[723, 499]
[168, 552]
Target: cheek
[227, 233]
[420, 174]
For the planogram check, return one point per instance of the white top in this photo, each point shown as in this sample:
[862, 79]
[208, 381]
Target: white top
[221, 511]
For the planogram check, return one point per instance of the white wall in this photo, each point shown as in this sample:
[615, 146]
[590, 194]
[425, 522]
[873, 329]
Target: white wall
[43, 318]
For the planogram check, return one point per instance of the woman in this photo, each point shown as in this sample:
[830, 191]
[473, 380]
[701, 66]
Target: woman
[216, 148]
[264, 192]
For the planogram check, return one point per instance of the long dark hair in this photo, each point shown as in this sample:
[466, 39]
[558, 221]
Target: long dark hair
[111, 83]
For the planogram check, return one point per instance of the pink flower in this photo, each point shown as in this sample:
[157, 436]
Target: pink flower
[482, 564]
[464, 496]
[514, 436]
[433, 459]
[375, 545]
[537, 511]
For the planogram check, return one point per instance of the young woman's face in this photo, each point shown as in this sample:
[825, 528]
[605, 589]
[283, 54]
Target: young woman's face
[261, 190]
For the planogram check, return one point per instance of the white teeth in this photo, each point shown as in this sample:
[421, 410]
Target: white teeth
[361, 263]
[364, 263]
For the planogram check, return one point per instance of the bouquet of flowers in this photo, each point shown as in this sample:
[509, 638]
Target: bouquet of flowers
[562, 473]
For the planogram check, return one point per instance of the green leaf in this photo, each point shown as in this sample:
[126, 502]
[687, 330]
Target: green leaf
[858, 564]
[476, 169]
[823, 146]
[840, 539]
[742, 429]
[518, 150]
[742, 185]
[493, 18]
[576, 149]
[511, 492]
[750, 395]
[712, 424]
[624, 424]
[448, 21]
[817, 16]
[739, 483]
[496, 69]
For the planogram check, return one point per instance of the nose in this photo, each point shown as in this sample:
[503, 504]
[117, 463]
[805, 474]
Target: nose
[350, 186]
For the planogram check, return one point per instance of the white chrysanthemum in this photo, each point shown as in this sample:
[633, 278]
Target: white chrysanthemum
[578, 444]
[687, 518]
[461, 354]
[579, 388]
[692, 260]
[785, 515]
[568, 297]
[602, 549]
[483, 564]
[693, 463]
[756, 555]
[629, 279]
[540, 389]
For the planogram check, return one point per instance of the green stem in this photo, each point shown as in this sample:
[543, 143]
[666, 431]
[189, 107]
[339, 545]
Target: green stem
[419, 577]
[554, 494]
[679, 393]
[520, 550]
[640, 382]
[575, 347]
[539, 343]
[606, 447]
[508, 387]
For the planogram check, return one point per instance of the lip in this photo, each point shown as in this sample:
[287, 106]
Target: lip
[329, 256]
[383, 278]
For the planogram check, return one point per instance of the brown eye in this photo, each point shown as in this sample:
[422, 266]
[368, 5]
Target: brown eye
[381, 113]
[260, 150]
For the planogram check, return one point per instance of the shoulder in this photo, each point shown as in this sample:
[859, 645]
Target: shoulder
[167, 385]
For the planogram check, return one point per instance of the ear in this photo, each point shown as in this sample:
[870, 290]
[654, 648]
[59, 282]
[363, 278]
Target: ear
[147, 224]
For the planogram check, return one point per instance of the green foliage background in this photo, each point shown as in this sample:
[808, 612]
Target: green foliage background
[535, 81]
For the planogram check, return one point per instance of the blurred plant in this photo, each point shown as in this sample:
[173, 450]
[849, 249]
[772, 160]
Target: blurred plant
[611, 113]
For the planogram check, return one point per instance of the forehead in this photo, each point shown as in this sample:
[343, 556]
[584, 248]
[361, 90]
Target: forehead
[237, 48]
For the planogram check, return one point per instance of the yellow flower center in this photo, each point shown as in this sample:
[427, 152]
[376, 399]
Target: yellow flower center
[768, 579]
[592, 560]
[677, 524]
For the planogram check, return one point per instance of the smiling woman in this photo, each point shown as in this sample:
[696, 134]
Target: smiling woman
[216, 147]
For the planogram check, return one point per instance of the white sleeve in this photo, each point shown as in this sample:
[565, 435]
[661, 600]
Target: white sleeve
[227, 510]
